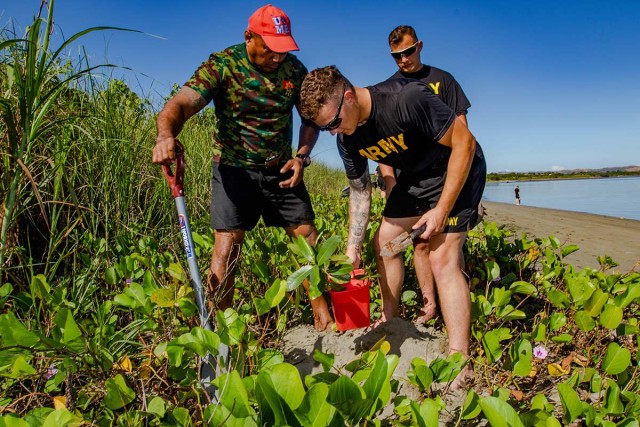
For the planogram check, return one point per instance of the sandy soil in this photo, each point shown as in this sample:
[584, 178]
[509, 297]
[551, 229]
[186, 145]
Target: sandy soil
[595, 234]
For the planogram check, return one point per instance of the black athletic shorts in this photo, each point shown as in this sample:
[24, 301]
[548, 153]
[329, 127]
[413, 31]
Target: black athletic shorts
[413, 197]
[240, 196]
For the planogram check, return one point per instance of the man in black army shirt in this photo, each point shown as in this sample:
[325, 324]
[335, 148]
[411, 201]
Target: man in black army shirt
[402, 124]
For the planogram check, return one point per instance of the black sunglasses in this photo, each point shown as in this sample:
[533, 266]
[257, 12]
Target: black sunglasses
[407, 52]
[335, 122]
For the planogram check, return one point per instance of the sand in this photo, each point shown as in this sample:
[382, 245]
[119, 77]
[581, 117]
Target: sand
[594, 234]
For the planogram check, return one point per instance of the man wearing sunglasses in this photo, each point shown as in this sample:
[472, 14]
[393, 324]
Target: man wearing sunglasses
[402, 124]
[405, 50]
[254, 87]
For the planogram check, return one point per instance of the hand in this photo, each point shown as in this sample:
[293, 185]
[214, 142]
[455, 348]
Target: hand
[164, 152]
[354, 255]
[435, 219]
[296, 164]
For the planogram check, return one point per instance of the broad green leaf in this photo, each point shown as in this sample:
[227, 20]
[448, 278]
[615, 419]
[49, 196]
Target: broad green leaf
[68, 331]
[445, 370]
[163, 297]
[231, 326]
[40, 288]
[420, 374]
[305, 249]
[295, 279]
[499, 297]
[283, 380]
[326, 360]
[157, 407]
[499, 413]
[177, 272]
[111, 276]
[570, 402]
[569, 249]
[558, 298]
[493, 270]
[13, 332]
[611, 316]
[262, 306]
[471, 408]
[580, 289]
[62, 418]
[524, 288]
[564, 338]
[492, 346]
[557, 321]
[327, 248]
[12, 421]
[346, 396]
[276, 292]
[616, 359]
[21, 368]
[584, 322]
[632, 293]
[233, 396]
[427, 413]
[612, 402]
[118, 394]
[594, 304]
[314, 409]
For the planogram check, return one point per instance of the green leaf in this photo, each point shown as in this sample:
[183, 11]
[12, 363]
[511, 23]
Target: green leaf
[276, 292]
[62, 418]
[327, 249]
[570, 403]
[524, 288]
[420, 374]
[584, 322]
[632, 293]
[157, 407]
[111, 276]
[40, 288]
[612, 402]
[21, 368]
[282, 388]
[314, 409]
[569, 249]
[305, 249]
[234, 398]
[557, 321]
[326, 360]
[594, 304]
[616, 359]
[295, 279]
[12, 421]
[499, 413]
[471, 408]
[13, 332]
[563, 338]
[163, 297]
[493, 270]
[611, 316]
[558, 298]
[231, 327]
[118, 394]
[492, 346]
[68, 331]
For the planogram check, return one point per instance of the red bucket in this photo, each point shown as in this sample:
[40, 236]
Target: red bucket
[351, 305]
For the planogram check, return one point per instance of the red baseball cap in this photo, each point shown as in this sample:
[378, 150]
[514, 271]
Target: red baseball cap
[275, 28]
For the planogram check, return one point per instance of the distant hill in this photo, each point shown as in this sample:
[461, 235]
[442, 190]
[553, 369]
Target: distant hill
[610, 169]
[617, 171]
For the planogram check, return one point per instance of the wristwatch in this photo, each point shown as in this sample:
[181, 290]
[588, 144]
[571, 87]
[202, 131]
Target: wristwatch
[306, 159]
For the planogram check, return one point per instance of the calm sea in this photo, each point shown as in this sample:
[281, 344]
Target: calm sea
[618, 197]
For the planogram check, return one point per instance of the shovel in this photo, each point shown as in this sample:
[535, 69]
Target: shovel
[210, 368]
[401, 242]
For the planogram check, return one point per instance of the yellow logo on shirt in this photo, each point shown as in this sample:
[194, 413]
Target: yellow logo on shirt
[384, 147]
[452, 221]
[435, 87]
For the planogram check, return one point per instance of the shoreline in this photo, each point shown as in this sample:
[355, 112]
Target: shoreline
[596, 235]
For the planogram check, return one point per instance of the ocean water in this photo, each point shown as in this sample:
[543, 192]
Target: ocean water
[617, 197]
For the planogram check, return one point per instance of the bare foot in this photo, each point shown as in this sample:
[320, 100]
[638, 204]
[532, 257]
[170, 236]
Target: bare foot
[322, 320]
[463, 381]
[428, 312]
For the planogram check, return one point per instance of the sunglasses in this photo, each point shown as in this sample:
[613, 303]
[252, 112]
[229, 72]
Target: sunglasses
[407, 52]
[335, 122]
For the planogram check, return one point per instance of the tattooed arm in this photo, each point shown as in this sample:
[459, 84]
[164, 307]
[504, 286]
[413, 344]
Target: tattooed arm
[359, 208]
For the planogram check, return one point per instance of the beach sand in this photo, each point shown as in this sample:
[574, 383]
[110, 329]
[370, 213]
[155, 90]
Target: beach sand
[594, 234]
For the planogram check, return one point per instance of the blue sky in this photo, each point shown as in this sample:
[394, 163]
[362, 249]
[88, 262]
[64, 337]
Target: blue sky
[553, 84]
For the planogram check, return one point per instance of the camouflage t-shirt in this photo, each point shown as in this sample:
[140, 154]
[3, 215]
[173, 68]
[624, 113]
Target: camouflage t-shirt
[253, 108]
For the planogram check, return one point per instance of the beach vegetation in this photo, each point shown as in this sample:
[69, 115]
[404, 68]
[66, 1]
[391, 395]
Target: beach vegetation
[99, 325]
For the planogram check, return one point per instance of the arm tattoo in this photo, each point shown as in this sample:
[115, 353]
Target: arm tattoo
[359, 208]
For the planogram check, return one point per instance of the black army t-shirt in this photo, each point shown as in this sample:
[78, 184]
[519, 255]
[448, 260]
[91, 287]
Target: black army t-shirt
[406, 122]
[443, 85]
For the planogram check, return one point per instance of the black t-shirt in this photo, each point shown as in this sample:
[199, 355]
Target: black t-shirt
[443, 85]
[406, 122]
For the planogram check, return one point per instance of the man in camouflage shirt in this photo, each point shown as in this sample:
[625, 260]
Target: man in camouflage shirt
[254, 87]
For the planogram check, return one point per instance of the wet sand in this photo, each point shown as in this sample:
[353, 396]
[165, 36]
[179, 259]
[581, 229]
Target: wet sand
[594, 234]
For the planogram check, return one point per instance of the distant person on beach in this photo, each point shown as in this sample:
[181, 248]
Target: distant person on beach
[402, 124]
[517, 191]
[254, 87]
[406, 49]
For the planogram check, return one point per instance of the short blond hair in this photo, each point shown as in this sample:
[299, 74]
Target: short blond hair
[318, 88]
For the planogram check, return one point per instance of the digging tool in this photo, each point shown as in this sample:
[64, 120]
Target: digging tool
[210, 368]
[401, 242]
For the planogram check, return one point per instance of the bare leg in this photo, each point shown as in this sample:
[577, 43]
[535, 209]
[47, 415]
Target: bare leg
[321, 317]
[425, 280]
[446, 263]
[226, 252]
[391, 269]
